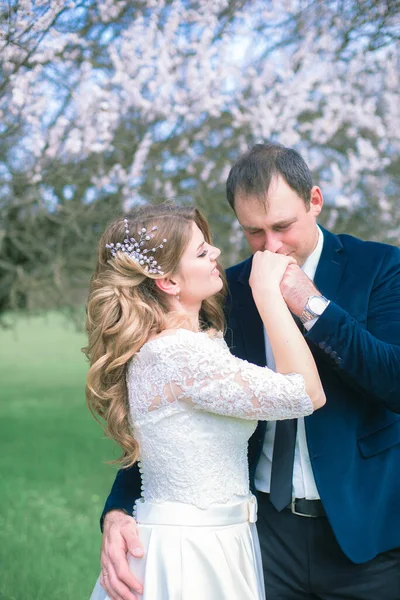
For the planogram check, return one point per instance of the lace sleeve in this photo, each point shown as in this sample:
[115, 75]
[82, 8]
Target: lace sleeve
[208, 376]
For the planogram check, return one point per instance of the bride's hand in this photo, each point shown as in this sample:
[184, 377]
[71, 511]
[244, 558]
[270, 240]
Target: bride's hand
[267, 271]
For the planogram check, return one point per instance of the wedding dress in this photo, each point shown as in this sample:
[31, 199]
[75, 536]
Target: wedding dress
[193, 407]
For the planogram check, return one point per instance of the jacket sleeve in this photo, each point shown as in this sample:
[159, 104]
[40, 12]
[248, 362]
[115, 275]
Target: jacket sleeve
[125, 491]
[368, 359]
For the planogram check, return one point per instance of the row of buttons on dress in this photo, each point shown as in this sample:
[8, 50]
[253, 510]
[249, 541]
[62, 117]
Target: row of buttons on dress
[328, 350]
[140, 468]
[141, 475]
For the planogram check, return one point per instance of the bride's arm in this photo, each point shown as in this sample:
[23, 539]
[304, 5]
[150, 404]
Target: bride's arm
[291, 352]
[209, 377]
[206, 375]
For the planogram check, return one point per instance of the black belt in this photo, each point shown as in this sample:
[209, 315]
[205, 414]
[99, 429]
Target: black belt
[300, 506]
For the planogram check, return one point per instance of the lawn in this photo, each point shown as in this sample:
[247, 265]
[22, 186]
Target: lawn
[54, 479]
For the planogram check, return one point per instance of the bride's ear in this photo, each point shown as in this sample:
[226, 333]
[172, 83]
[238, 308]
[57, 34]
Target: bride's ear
[168, 286]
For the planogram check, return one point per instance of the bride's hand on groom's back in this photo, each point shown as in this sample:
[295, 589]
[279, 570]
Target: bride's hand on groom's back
[119, 537]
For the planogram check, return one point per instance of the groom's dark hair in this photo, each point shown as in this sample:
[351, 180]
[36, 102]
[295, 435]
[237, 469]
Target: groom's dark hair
[252, 174]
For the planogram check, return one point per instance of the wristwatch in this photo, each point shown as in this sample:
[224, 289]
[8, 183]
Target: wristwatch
[314, 308]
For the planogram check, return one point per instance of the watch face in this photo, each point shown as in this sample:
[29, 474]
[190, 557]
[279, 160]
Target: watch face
[317, 304]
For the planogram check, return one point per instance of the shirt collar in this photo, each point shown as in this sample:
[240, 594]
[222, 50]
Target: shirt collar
[311, 264]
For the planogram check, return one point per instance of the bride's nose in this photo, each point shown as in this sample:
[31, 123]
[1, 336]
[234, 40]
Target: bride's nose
[214, 253]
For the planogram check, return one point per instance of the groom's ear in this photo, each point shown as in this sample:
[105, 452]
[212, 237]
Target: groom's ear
[316, 200]
[168, 286]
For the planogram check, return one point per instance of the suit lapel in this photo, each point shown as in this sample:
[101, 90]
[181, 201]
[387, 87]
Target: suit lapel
[249, 327]
[249, 321]
[330, 265]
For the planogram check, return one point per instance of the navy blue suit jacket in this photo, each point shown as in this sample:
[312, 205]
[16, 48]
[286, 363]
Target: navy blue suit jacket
[354, 440]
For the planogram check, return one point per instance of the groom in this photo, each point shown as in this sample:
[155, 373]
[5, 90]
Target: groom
[328, 485]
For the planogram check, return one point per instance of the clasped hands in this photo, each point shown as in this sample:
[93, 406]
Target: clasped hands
[273, 272]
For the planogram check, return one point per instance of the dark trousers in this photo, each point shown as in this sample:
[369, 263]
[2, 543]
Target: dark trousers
[303, 561]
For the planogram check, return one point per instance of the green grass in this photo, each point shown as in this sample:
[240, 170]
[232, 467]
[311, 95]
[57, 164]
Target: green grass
[53, 476]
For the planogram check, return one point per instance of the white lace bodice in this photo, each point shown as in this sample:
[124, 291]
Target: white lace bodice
[193, 407]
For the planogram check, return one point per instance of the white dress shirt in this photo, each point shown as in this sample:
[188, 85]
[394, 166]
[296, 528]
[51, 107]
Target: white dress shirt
[304, 485]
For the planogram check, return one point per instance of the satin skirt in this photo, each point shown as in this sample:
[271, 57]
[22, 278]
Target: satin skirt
[193, 554]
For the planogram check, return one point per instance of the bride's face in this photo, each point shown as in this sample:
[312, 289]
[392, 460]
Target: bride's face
[198, 275]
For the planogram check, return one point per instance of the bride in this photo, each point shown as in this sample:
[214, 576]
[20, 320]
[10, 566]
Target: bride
[176, 400]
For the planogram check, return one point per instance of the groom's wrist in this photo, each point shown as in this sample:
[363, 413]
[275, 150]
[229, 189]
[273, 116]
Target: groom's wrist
[112, 515]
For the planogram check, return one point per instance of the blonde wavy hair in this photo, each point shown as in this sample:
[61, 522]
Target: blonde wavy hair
[125, 307]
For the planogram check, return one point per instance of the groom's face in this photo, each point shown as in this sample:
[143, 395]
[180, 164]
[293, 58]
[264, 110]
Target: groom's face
[281, 223]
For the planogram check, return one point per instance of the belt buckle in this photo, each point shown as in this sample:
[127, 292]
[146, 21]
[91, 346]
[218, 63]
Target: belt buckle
[292, 507]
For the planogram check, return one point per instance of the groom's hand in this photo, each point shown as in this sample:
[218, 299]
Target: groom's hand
[119, 537]
[296, 288]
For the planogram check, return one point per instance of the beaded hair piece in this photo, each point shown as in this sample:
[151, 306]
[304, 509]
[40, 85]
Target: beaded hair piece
[134, 249]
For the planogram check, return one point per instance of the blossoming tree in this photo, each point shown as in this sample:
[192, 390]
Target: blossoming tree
[107, 103]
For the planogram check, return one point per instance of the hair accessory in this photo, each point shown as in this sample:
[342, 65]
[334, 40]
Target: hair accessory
[134, 249]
